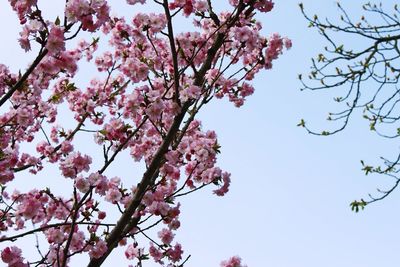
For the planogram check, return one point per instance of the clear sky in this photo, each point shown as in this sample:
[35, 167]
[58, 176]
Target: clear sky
[289, 200]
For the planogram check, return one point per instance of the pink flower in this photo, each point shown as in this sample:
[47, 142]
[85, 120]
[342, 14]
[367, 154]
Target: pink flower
[30, 207]
[66, 147]
[75, 163]
[175, 253]
[264, 5]
[174, 224]
[101, 215]
[87, 12]
[243, 34]
[9, 254]
[133, 252]
[287, 42]
[82, 184]
[191, 92]
[25, 116]
[274, 49]
[166, 236]
[225, 187]
[233, 262]
[234, 2]
[155, 109]
[155, 253]
[132, 2]
[135, 70]
[24, 41]
[23, 8]
[55, 41]
[54, 236]
[12, 256]
[78, 241]
[159, 208]
[113, 195]
[104, 62]
[201, 5]
[98, 250]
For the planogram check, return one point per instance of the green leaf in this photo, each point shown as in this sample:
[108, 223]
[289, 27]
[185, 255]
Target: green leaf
[70, 87]
[302, 123]
[57, 22]
[357, 205]
[217, 148]
[95, 40]
[372, 126]
[93, 237]
[367, 169]
[339, 49]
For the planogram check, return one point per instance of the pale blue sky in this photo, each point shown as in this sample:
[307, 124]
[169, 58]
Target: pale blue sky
[289, 200]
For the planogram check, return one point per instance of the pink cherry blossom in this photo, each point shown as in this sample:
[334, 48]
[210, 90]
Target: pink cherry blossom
[133, 252]
[98, 249]
[75, 163]
[166, 236]
[132, 2]
[113, 195]
[155, 253]
[12, 256]
[233, 262]
[55, 41]
[175, 253]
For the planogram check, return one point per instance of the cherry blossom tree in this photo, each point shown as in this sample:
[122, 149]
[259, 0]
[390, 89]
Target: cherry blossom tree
[150, 84]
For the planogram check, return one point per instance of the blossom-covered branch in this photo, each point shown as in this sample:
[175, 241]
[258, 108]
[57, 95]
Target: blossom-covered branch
[151, 82]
